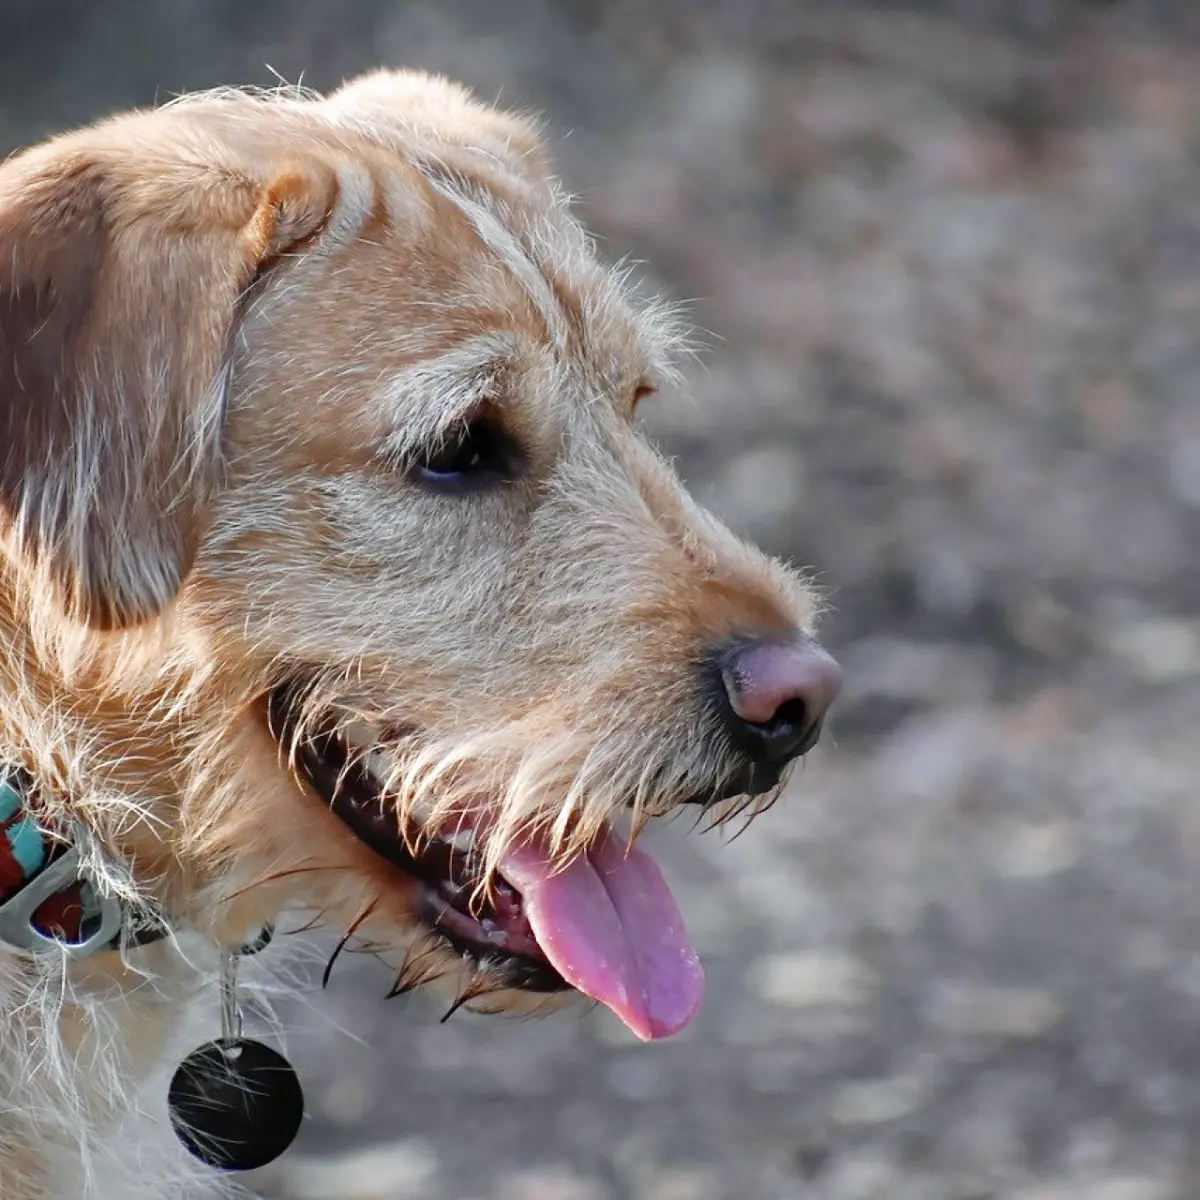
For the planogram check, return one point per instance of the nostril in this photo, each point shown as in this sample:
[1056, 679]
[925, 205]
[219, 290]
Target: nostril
[786, 729]
[791, 716]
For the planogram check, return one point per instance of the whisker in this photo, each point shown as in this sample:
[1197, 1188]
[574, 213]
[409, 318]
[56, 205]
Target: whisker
[354, 927]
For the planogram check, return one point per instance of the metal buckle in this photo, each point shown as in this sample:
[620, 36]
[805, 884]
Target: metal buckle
[16, 913]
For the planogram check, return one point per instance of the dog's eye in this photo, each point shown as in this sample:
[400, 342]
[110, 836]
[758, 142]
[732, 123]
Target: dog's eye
[471, 455]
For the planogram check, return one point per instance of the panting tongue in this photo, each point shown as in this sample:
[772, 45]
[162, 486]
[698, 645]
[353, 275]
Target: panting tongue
[610, 927]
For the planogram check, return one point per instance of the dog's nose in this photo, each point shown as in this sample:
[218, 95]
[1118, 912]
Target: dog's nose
[775, 694]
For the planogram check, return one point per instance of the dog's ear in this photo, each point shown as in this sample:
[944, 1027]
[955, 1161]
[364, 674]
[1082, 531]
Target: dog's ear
[122, 262]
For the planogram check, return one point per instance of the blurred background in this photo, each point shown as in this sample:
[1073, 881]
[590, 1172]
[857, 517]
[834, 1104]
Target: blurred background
[947, 255]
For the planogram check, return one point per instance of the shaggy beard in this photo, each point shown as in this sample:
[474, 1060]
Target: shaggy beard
[559, 774]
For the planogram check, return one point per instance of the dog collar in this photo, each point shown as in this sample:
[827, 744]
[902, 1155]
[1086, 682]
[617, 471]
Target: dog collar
[47, 900]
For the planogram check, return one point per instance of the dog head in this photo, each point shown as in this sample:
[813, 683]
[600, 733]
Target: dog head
[328, 408]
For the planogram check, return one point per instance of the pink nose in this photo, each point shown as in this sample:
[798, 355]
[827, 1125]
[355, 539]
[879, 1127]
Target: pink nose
[778, 692]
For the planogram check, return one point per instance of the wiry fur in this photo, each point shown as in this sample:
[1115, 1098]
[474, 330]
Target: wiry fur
[227, 328]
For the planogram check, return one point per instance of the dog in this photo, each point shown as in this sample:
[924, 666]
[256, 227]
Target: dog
[338, 578]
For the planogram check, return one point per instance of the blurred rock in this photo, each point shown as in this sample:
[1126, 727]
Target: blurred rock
[983, 1010]
[812, 980]
[877, 1101]
[398, 1171]
[548, 1184]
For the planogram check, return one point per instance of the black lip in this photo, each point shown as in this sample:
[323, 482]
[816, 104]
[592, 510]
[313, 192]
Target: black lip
[352, 797]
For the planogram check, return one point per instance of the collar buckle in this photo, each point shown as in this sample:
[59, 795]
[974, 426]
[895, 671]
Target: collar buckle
[102, 913]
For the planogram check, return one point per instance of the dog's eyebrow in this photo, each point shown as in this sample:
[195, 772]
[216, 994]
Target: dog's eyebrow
[507, 247]
[426, 399]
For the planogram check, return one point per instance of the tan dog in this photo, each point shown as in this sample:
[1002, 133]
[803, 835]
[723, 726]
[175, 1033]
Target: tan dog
[337, 577]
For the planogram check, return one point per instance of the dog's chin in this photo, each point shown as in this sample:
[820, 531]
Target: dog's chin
[605, 924]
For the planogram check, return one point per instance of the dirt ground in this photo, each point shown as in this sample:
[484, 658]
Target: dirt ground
[948, 255]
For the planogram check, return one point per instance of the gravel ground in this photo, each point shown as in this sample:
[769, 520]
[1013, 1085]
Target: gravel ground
[948, 254]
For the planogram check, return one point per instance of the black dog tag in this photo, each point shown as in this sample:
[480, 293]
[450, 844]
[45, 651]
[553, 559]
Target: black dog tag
[235, 1104]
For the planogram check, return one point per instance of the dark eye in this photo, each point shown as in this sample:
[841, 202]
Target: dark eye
[471, 455]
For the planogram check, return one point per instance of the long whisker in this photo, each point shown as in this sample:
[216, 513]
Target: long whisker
[337, 951]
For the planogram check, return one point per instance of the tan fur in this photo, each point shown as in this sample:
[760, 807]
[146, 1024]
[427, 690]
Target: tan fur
[225, 328]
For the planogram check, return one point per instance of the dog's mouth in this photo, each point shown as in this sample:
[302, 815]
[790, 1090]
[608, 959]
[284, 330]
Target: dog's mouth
[605, 924]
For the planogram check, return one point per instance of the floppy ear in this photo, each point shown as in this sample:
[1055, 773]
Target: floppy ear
[122, 261]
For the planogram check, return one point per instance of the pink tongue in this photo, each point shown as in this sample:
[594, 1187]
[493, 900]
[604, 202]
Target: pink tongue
[610, 926]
